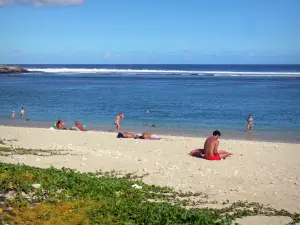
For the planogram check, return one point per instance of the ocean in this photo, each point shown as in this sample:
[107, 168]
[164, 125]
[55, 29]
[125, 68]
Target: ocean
[190, 100]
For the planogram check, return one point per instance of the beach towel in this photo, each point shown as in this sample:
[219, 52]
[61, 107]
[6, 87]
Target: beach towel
[152, 138]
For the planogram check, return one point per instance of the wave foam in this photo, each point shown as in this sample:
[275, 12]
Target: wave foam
[145, 71]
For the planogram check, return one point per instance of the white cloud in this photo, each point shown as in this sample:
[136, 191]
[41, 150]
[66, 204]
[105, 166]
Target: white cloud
[108, 55]
[112, 55]
[37, 3]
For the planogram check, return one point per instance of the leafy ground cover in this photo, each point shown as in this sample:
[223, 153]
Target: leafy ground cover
[7, 148]
[31, 195]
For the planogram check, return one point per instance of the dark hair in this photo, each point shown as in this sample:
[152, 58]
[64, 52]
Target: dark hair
[120, 135]
[217, 133]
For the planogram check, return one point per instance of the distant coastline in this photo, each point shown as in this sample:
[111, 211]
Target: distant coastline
[12, 69]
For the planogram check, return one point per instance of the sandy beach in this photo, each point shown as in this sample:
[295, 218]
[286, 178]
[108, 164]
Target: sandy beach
[264, 172]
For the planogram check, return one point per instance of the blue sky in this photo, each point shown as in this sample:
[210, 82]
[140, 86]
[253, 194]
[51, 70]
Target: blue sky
[154, 31]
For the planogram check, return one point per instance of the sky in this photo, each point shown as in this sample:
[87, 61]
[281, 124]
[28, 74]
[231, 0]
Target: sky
[153, 31]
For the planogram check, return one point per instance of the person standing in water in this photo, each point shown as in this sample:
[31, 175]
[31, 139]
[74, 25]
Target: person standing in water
[22, 112]
[250, 122]
[13, 116]
[117, 121]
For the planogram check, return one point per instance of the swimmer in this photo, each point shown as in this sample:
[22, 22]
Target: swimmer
[250, 123]
[117, 121]
[147, 111]
[22, 112]
[13, 116]
[211, 148]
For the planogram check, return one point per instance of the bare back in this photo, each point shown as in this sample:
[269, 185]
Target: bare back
[211, 146]
[117, 119]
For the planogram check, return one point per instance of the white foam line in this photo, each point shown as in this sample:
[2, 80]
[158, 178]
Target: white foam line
[145, 71]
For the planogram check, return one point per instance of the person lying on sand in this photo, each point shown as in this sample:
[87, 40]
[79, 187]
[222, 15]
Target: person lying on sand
[59, 125]
[210, 151]
[80, 126]
[131, 135]
[127, 135]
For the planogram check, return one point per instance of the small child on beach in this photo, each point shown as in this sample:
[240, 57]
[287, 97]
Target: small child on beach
[13, 116]
[117, 121]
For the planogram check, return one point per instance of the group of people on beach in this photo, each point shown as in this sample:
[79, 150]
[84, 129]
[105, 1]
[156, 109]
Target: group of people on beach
[60, 125]
[209, 152]
[22, 113]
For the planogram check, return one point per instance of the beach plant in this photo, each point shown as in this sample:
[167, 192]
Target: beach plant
[8, 151]
[64, 196]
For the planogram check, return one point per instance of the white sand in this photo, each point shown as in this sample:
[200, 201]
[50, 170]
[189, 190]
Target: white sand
[264, 172]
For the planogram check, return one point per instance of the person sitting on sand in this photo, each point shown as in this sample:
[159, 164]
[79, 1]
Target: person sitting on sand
[211, 148]
[210, 151]
[117, 121]
[59, 125]
[250, 122]
[22, 112]
[13, 116]
[80, 126]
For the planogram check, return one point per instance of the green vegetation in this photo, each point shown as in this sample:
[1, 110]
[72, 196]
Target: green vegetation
[7, 151]
[7, 148]
[68, 197]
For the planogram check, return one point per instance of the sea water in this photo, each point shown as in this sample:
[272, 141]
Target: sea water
[182, 99]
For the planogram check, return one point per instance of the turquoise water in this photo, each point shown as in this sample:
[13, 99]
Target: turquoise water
[190, 102]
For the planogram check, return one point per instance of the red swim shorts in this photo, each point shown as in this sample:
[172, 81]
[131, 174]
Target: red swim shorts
[213, 157]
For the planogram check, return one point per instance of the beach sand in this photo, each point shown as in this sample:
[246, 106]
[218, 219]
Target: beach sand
[264, 172]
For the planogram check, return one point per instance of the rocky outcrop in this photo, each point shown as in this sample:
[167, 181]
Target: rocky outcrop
[12, 69]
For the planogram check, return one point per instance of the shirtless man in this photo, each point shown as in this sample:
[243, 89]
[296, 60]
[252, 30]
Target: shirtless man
[22, 111]
[117, 121]
[211, 148]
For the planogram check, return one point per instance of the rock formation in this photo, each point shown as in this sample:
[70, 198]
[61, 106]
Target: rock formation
[12, 69]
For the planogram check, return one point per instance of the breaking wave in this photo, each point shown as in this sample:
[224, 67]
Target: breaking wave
[167, 72]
